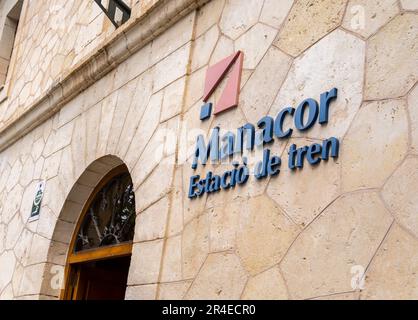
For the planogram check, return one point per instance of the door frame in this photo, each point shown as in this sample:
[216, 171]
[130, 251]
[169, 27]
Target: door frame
[72, 291]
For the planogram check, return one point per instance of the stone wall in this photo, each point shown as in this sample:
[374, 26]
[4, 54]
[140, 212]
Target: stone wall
[301, 235]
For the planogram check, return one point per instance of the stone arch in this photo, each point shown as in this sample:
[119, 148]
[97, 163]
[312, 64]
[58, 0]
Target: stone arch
[53, 273]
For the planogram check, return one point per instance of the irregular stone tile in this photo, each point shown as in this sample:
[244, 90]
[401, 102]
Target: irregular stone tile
[138, 105]
[268, 285]
[151, 223]
[347, 234]
[145, 129]
[224, 48]
[392, 273]
[296, 191]
[392, 59]
[172, 263]
[399, 193]
[366, 17]
[203, 47]
[173, 38]
[12, 203]
[162, 177]
[31, 281]
[173, 99]
[239, 16]
[264, 234]
[309, 21]
[195, 245]
[254, 43]
[341, 66]
[172, 67]
[14, 175]
[7, 263]
[108, 109]
[223, 226]
[145, 292]
[175, 219]
[195, 88]
[27, 172]
[409, 4]
[261, 89]
[145, 262]
[208, 15]
[275, 11]
[386, 136]
[221, 278]
[413, 114]
[173, 290]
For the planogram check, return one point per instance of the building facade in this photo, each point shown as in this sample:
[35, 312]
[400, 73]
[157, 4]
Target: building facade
[327, 87]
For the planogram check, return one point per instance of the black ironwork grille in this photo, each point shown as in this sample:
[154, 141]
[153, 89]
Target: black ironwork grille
[110, 219]
[117, 11]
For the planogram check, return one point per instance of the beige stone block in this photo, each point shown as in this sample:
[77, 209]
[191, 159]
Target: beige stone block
[31, 280]
[221, 277]
[108, 109]
[309, 21]
[392, 59]
[51, 166]
[173, 38]
[151, 223]
[172, 67]
[123, 104]
[392, 273]
[223, 226]
[208, 15]
[46, 223]
[78, 145]
[255, 43]
[171, 270]
[275, 12]
[145, 262]
[261, 89]
[399, 193]
[366, 138]
[347, 234]
[173, 290]
[296, 191]
[173, 99]
[239, 16]
[38, 250]
[59, 139]
[366, 17]
[195, 87]
[138, 106]
[14, 231]
[413, 114]
[224, 48]
[162, 177]
[341, 66]
[146, 292]
[268, 285]
[203, 48]
[7, 293]
[264, 234]
[7, 262]
[144, 131]
[175, 220]
[409, 4]
[27, 172]
[14, 175]
[23, 247]
[152, 155]
[195, 245]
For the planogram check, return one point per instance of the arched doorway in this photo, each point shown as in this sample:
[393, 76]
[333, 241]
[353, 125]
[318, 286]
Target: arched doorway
[100, 248]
